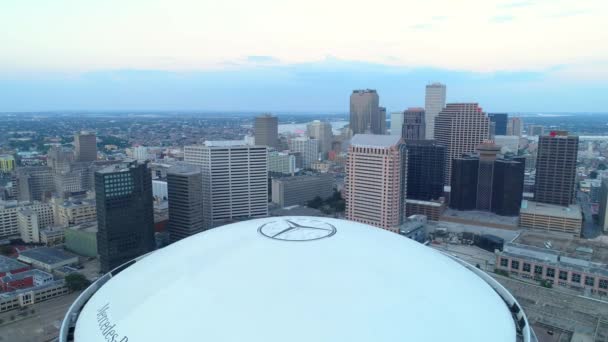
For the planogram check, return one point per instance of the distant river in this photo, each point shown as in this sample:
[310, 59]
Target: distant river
[300, 128]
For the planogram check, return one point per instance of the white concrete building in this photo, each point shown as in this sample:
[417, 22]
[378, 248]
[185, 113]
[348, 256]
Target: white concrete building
[235, 180]
[281, 162]
[434, 102]
[159, 189]
[309, 148]
[9, 223]
[507, 143]
[397, 119]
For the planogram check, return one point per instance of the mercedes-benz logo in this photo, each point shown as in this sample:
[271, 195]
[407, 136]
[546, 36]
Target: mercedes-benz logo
[294, 229]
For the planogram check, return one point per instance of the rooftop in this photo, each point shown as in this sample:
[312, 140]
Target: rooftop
[23, 275]
[47, 255]
[282, 279]
[8, 264]
[536, 208]
[86, 227]
[375, 140]
[566, 245]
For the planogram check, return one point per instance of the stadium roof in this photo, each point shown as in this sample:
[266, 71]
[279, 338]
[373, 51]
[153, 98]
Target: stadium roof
[296, 279]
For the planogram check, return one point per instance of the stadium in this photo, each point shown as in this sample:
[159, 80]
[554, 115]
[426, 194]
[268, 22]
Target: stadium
[296, 279]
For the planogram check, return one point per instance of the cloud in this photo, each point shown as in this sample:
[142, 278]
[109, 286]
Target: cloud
[517, 4]
[262, 59]
[501, 19]
[421, 27]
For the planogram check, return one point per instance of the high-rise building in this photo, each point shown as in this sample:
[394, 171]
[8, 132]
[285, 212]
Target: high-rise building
[125, 217]
[59, 158]
[85, 146]
[397, 119]
[460, 127]
[365, 112]
[434, 102]
[536, 130]
[266, 130]
[281, 163]
[321, 131]
[507, 188]
[414, 127]
[556, 168]
[235, 180]
[465, 175]
[381, 121]
[374, 181]
[185, 195]
[309, 149]
[515, 126]
[36, 183]
[603, 205]
[9, 222]
[500, 121]
[7, 163]
[487, 157]
[425, 169]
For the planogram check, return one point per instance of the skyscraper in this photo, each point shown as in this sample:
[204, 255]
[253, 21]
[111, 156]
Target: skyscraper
[414, 127]
[85, 146]
[365, 114]
[397, 123]
[125, 217]
[235, 180]
[507, 188]
[434, 102]
[487, 156]
[185, 195]
[603, 207]
[465, 175]
[514, 127]
[536, 130]
[322, 132]
[374, 181]
[381, 122]
[59, 158]
[500, 121]
[309, 149]
[460, 127]
[556, 168]
[425, 169]
[266, 130]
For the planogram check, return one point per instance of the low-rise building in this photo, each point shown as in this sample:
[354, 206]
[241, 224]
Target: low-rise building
[557, 258]
[52, 236]
[47, 258]
[288, 191]
[431, 209]
[551, 217]
[25, 297]
[26, 279]
[281, 163]
[10, 265]
[74, 211]
[82, 239]
[415, 228]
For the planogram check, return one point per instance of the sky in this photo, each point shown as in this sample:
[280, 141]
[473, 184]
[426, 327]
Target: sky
[283, 55]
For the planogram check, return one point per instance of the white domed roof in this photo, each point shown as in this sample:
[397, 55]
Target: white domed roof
[296, 279]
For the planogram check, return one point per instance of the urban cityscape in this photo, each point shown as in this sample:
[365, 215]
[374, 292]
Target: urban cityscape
[320, 171]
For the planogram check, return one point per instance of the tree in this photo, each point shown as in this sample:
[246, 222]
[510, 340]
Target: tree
[6, 250]
[602, 166]
[76, 282]
[315, 203]
[593, 174]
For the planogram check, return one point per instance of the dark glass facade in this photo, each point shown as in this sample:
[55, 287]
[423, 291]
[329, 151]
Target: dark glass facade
[425, 169]
[463, 195]
[500, 121]
[125, 214]
[508, 187]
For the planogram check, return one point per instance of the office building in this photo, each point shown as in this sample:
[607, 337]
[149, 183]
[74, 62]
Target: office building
[365, 116]
[500, 121]
[185, 189]
[85, 146]
[536, 130]
[556, 168]
[425, 169]
[434, 102]
[36, 183]
[247, 272]
[487, 152]
[465, 176]
[375, 180]
[74, 210]
[125, 217]
[9, 219]
[82, 239]
[515, 126]
[266, 130]
[507, 188]
[281, 163]
[603, 205]
[59, 158]
[298, 190]
[160, 190]
[7, 163]
[414, 127]
[235, 180]
[507, 143]
[397, 120]
[431, 209]
[382, 120]
[308, 148]
[460, 127]
[322, 132]
[551, 217]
